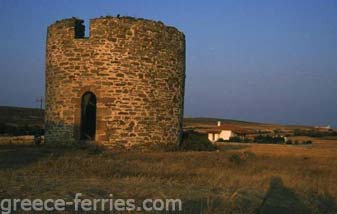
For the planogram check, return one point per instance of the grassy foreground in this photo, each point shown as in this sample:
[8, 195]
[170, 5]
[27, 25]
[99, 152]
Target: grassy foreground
[240, 178]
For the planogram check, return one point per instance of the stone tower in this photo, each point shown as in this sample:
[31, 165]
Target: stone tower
[123, 86]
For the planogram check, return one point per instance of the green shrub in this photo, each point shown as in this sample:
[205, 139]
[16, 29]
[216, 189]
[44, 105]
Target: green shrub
[235, 139]
[269, 139]
[194, 141]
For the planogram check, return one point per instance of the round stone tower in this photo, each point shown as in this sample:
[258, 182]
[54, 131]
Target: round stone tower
[123, 86]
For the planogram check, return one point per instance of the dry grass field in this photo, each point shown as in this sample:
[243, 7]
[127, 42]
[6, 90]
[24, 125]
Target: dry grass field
[239, 178]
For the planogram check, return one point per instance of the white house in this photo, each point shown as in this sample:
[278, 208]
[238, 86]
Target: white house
[220, 133]
[214, 136]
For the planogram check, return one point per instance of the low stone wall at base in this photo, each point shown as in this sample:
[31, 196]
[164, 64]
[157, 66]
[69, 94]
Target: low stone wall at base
[20, 140]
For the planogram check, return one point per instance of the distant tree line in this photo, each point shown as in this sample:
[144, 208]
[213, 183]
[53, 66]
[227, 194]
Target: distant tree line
[265, 139]
[258, 139]
[269, 139]
[315, 133]
[297, 142]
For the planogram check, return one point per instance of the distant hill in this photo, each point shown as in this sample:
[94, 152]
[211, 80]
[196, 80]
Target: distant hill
[207, 120]
[201, 124]
[19, 116]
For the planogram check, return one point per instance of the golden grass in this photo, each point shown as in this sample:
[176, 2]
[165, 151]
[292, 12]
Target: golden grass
[234, 179]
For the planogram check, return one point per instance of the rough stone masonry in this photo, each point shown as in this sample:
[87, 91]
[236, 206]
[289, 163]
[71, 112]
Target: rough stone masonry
[123, 86]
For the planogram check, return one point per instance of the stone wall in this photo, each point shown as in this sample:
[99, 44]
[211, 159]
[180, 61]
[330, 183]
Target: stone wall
[18, 140]
[136, 69]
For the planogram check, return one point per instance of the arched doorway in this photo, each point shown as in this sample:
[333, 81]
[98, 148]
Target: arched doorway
[88, 116]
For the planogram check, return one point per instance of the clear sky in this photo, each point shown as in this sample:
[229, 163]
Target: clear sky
[268, 60]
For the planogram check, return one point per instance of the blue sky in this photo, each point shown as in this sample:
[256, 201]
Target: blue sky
[269, 60]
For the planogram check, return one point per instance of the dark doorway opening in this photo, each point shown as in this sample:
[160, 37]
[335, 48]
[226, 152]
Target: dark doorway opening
[88, 116]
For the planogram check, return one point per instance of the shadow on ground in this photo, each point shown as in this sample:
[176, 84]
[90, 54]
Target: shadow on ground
[280, 199]
[18, 156]
[277, 200]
